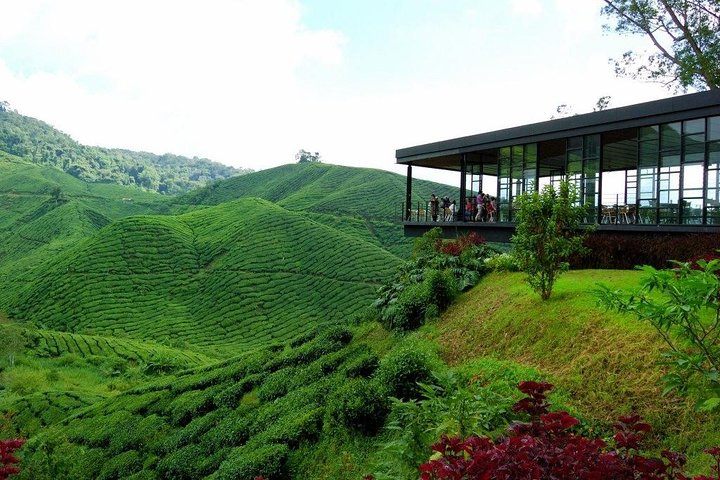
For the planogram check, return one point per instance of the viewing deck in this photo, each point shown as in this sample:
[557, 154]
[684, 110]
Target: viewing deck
[647, 168]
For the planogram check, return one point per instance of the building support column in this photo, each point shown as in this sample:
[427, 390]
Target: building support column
[463, 179]
[408, 194]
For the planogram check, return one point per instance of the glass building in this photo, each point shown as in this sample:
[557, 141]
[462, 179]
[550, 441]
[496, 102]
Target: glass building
[642, 167]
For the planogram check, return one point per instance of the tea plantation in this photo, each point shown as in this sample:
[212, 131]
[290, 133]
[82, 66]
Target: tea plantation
[239, 275]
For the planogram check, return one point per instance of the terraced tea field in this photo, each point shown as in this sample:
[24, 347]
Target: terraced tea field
[238, 275]
[316, 187]
[48, 343]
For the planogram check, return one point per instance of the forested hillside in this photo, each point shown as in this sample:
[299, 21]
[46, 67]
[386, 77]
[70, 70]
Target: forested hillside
[40, 143]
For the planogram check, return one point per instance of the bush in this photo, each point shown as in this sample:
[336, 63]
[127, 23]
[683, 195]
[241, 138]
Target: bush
[402, 369]
[358, 404]
[546, 448]
[502, 262]
[121, 466]
[363, 366]
[441, 288]
[276, 384]
[248, 462]
[408, 311]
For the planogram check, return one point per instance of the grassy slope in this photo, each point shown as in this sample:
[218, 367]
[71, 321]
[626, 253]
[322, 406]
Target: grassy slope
[322, 188]
[606, 362]
[240, 274]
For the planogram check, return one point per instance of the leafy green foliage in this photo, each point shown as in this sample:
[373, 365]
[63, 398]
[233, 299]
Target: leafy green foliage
[450, 405]
[358, 404]
[426, 285]
[685, 36]
[39, 143]
[404, 368]
[546, 234]
[683, 304]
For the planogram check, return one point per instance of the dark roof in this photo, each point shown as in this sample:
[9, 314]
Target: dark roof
[671, 109]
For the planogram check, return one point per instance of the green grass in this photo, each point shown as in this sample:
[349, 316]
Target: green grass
[606, 362]
[238, 275]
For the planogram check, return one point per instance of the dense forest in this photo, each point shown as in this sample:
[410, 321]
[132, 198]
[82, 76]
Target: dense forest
[40, 143]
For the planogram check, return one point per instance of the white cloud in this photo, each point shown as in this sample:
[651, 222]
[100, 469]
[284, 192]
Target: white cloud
[527, 7]
[214, 78]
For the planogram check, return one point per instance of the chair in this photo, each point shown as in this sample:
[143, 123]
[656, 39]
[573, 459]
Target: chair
[609, 215]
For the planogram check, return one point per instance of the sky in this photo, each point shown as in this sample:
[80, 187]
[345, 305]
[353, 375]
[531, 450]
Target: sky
[251, 82]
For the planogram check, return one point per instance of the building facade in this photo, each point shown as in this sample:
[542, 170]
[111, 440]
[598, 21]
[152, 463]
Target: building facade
[650, 164]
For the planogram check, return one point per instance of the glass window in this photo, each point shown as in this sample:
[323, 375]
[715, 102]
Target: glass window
[574, 142]
[531, 152]
[713, 154]
[591, 146]
[692, 178]
[714, 128]
[649, 133]
[670, 136]
[694, 126]
[694, 148]
[670, 159]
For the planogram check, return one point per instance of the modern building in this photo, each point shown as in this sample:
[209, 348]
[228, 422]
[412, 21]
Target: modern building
[653, 166]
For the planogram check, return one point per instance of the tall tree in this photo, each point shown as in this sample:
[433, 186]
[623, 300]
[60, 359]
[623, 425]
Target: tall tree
[685, 35]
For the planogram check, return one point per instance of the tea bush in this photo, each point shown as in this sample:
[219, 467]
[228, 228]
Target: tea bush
[248, 462]
[402, 369]
[359, 405]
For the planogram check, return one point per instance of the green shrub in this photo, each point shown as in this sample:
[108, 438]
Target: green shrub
[358, 404]
[230, 396]
[248, 462]
[363, 366]
[181, 464]
[276, 384]
[402, 369]
[441, 287]
[233, 429]
[294, 428]
[121, 466]
[502, 262]
[408, 311]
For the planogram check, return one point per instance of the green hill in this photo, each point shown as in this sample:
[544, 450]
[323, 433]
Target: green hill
[43, 211]
[37, 142]
[241, 274]
[322, 188]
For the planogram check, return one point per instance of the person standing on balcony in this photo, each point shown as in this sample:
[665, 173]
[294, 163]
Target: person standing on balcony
[434, 205]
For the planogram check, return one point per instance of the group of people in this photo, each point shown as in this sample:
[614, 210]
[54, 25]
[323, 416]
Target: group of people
[482, 208]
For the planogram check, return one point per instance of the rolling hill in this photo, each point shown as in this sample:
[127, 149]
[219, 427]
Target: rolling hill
[238, 275]
[37, 142]
[320, 188]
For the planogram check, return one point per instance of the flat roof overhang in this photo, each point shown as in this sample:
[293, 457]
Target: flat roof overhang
[447, 154]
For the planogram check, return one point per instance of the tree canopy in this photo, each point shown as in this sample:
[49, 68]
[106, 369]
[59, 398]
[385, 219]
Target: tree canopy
[303, 156]
[685, 35]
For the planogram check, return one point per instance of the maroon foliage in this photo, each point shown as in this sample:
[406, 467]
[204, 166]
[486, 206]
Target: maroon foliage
[8, 461]
[459, 245]
[546, 448]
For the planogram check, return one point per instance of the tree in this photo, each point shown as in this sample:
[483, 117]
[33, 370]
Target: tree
[546, 234]
[303, 156]
[683, 305]
[686, 37]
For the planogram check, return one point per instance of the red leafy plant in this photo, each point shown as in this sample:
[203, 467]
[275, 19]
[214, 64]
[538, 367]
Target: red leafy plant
[546, 448]
[458, 246]
[8, 460]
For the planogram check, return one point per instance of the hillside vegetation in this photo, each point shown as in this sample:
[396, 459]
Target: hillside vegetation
[241, 274]
[320, 188]
[38, 142]
[607, 363]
